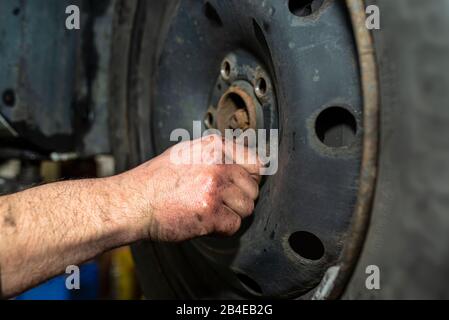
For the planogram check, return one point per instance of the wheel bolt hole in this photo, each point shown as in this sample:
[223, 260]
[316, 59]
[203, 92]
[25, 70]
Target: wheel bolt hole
[261, 87]
[212, 14]
[209, 120]
[249, 283]
[304, 8]
[307, 245]
[226, 70]
[9, 98]
[336, 127]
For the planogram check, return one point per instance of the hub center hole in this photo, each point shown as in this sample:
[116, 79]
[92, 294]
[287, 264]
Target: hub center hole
[234, 111]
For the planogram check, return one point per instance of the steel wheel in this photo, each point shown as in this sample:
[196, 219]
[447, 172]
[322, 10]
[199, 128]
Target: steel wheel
[296, 64]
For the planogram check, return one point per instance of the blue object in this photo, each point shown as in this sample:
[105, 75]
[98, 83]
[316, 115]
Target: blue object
[55, 289]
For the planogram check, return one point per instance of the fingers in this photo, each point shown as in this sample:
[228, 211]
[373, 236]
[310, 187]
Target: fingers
[219, 150]
[228, 222]
[236, 196]
[233, 186]
[238, 201]
[247, 183]
[245, 157]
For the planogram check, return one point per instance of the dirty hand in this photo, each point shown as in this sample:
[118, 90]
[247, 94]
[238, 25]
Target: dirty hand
[177, 202]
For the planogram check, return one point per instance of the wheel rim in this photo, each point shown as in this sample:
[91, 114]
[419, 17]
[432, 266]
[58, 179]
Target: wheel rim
[298, 229]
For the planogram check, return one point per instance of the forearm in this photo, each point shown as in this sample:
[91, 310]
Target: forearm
[45, 229]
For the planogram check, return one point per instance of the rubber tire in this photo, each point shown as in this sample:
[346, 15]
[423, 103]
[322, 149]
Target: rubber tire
[409, 232]
[408, 235]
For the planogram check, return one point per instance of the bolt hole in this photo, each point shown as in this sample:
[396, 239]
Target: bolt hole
[209, 120]
[212, 14]
[304, 8]
[261, 87]
[9, 98]
[16, 11]
[226, 70]
[336, 127]
[249, 283]
[307, 245]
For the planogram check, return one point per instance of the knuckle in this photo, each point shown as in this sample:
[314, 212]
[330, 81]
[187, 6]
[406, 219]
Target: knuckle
[241, 202]
[235, 225]
[251, 207]
[214, 188]
[218, 178]
[203, 231]
[238, 170]
[248, 206]
[256, 190]
[213, 179]
[245, 201]
[216, 171]
[231, 225]
[210, 203]
[251, 187]
[220, 170]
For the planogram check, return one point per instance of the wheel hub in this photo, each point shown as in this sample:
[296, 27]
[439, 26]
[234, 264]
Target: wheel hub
[243, 95]
[236, 110]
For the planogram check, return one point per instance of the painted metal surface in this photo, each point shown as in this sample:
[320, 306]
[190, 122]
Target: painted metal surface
[53, 81]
